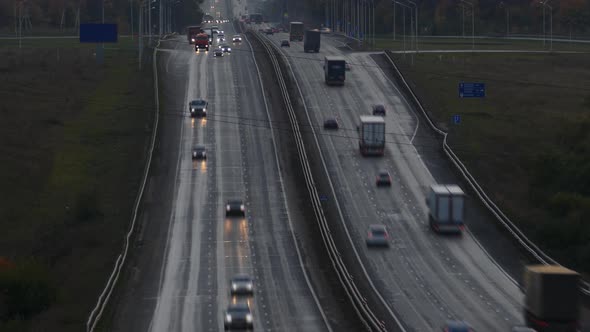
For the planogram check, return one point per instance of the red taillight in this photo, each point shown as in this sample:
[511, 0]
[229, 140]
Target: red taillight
[370, 235]
[461, 227]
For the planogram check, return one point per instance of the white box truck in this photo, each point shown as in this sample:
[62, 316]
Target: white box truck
[446, 208]
[372, 135]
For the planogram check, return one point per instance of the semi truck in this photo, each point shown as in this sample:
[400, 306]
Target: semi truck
[201, 42]
[552, 298]
[334, 70]
[296, 30]
[311, 41]
[446, 208]
[192, 32]
[372, 135]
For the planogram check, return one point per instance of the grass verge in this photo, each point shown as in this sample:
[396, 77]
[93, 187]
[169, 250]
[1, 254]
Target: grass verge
[74, 137]
[527, 142]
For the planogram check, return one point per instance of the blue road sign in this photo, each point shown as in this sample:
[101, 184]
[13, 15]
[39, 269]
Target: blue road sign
[472, 90]
[98, 33]
[456, 119]
[323, 198]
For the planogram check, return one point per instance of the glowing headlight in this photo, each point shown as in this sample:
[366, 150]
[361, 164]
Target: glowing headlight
[234, 286]
[192, 110]
[228, 318]
[249, 286]
[227, 207]
[229, 49]
[192, 39]
[249, 318]
[242, 207]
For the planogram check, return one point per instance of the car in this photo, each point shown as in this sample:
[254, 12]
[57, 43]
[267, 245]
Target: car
[383, 179]
[242, 284]
[269, 31]
[238, 316]
[237, 39]
[377, 236]
[331, 123]
[260, 30]
[225, 48]
[221, 32]
[457, 326]
[325, 30]
[199, 152]
[379, 110]
[285, 43]
[220, 38]
[235, 207]
[218, 52]
[198, 108]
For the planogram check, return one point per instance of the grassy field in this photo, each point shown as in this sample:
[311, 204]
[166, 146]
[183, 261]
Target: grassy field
[73, 137]
[527, 142]
[426, 43]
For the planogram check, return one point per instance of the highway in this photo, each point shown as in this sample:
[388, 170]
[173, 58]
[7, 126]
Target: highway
[426, 279]
[184, 285]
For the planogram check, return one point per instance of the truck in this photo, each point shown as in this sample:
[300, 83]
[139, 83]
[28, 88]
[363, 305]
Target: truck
[192, 32]
[311, 41]
[552, 298]
[296, 30]
[201, 42]
[446, 208]
[334, 70]
[372, 135]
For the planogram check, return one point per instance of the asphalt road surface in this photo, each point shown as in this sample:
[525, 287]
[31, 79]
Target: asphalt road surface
[425, 278]
[193, 249]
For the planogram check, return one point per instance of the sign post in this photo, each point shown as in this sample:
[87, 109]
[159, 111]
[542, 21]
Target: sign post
[472, 90]
[97, 34]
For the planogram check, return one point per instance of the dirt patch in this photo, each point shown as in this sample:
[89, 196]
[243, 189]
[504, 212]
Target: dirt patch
[73, 144]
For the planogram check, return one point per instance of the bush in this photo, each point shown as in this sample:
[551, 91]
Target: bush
[26, 290]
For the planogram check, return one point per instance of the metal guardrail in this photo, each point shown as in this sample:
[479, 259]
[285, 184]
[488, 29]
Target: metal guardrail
[369, 319]
[104, 297]
[526, 243]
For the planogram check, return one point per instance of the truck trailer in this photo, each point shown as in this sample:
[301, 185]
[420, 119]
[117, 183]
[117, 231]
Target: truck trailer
[552, 298]
[334, 70]
[372, 135]
[296, 30]
[311, 41]
[446, 208]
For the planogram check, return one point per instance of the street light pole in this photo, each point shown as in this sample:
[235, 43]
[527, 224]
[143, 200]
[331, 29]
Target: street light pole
[416, 23]
[551, 26]
[472, 23]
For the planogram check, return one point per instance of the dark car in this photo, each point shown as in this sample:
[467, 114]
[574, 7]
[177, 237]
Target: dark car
[383, 179]
[218, 53]
[377, 236]
[237, 39]
[198, 108]
[199, 152]
[242, 284]
[285, 43]
[238, 316]
[330, 123]
[225, 48]
[235, 207]
[379, 110]
[457, 326]
[269, 31]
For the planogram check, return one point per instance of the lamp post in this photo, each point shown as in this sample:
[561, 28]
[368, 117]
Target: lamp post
[472, 23]
[416, 23]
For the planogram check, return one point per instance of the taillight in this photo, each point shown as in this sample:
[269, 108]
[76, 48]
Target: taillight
[370, 235]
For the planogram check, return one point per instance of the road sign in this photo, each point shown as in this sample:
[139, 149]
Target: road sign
[472, 90]
[456, 119]
[98, 33]
[323, 198]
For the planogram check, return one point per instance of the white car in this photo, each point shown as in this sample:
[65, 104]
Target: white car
[237, 39]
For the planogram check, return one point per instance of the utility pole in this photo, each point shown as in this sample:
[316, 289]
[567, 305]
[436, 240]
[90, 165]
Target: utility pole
[472, 22]
[131, 9]
[393, 20]
[416, 23]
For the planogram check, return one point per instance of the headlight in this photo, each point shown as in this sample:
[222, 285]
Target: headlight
[227, 208]
[234, 286]
[249, 318]
[249, 286]
[242, 207]
[228, 318]
[192, 39]
[229, 49]
[192, 110]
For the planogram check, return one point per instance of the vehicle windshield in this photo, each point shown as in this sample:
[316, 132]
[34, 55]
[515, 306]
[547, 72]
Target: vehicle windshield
[378, 232]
